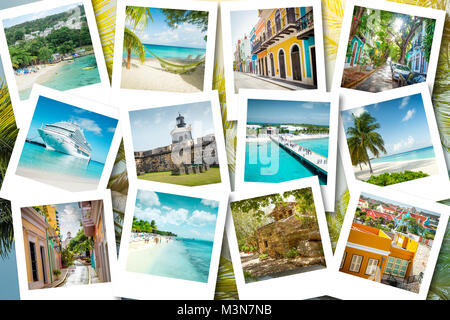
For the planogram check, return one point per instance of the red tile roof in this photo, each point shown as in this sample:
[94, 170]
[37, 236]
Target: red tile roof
[376, 214]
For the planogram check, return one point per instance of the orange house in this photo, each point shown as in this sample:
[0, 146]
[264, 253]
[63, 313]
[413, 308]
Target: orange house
[371, 253]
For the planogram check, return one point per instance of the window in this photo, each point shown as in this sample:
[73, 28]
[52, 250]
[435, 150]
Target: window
[355, 264]
[34, 269]
[396, 267]
[343, 260]
[372, 266]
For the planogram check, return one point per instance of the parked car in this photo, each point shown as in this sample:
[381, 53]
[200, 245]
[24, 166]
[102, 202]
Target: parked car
[415, 77]
[400, 69]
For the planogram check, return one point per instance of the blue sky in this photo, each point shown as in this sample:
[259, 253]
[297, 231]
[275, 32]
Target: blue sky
[37, 15]
[242, 23]
[187, 217]
[98, 129]
[69, 218]
[162, 120]
[371, 196]
[403, 123]
[159, 32]
[280, 111]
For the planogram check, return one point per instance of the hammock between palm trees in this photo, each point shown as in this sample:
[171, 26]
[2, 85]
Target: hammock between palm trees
[176, 67]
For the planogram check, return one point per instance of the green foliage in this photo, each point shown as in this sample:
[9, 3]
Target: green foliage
[428, 38]
[248, 276]
[67, 257]
[386, 178]
[56, 272]
[263, 256]
[174, 18]
[292, 253]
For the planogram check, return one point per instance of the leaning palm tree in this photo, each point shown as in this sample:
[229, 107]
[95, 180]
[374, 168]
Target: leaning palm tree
[362, 138]
[137, 18]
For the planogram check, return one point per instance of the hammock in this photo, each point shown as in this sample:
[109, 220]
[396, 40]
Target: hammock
[176, 67]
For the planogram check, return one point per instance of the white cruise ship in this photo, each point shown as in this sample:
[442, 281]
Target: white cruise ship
[66, 137]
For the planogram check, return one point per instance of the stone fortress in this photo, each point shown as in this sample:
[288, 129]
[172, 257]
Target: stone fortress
[184, 156]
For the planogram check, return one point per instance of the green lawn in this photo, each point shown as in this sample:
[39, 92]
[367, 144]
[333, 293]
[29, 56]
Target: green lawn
[195, 179]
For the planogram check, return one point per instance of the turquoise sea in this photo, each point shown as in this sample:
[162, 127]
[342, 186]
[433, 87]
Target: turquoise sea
[39, 158]
[283, 167]
[170, 52]
[185, 259]
[71, 76]
[319, 146]
[417, 154]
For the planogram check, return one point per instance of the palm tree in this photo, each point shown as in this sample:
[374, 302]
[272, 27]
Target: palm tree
[362, 137]
[137, 18]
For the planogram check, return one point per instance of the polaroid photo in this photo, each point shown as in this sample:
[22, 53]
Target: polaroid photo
[267, 48]
[287, 137]
[386, 45]
[389, 245]
[180, 142]
[392, 140]
[279, 242]
[65, 249]
[54, 44]
[171, 242]
[69, 144]
[164, 47]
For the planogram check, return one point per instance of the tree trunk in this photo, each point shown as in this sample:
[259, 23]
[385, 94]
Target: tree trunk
[370, 166]
[129, 59]
[356, 22]
[401, 59]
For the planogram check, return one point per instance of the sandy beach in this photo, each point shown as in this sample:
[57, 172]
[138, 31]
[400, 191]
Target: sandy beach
[44, 74]
[151, 76]
[425, 165]
[141, 255]
[70, 183]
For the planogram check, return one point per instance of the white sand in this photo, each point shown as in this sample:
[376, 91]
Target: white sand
[425, 165]
[26, 81]
[59, 180]
[141, 254]
[151, 76]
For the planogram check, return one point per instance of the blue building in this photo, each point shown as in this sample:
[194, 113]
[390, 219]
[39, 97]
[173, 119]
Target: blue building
[415, 57]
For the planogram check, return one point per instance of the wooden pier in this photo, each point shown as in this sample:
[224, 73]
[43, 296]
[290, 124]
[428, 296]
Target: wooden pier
[317, 161]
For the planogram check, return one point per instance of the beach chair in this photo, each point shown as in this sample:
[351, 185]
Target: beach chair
[177, 67]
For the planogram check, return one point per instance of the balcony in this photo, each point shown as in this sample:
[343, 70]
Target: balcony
[305, 26]
[257, 47]
[284, 26]
[86, 219]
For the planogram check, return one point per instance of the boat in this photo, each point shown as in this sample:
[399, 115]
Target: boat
[66, 137]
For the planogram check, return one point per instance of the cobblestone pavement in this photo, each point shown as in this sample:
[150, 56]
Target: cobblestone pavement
[378, 81]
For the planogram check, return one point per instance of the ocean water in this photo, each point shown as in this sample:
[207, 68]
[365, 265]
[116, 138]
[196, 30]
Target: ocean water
[417, 154]
[283, 166]
[185, 259]
[71, 76]
[319, 146]
[169, 52]
[39, 158]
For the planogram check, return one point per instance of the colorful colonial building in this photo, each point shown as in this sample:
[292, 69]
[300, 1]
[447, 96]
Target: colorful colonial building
[376, 255]
[415, 57]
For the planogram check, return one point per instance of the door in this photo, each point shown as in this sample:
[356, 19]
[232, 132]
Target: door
[278, 20]
[313, 65]
[290, 15]
[265, 62]
[44, 267]
[281, 64]
[295, 60]
[272, 65]
[269, 29]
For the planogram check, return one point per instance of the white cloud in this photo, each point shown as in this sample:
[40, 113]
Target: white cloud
[200, 218]
[403, 145]
[404, 103]
[307, 105]
[148, 198]
[409, 115]
[211, 203]
[89, 125]
[176, 217]
[111, 129]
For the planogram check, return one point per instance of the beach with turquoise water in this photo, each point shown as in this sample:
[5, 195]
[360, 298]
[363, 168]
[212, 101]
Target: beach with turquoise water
[58, 169]
[179, 258]
[422, 159]
[151, 75]
[61, 76]
[261, 167]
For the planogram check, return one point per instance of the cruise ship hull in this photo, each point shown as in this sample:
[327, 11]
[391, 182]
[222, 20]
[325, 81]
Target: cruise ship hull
[60, 143]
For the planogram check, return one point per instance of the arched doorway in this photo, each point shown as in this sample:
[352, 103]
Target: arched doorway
[269, 29]
[278, 20]
[282, 64]
[265, 62]
[272, 65]
[295, 61]
[259, 71]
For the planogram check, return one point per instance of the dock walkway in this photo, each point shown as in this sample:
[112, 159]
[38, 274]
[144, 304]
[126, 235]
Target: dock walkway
[314, 159]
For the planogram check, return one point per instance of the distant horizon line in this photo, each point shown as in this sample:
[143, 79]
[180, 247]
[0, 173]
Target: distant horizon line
[288, 123]
[393, 154]
[169, 45]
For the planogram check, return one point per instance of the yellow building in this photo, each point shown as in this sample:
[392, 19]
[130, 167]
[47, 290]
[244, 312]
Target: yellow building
[371, 253]
[286, 48]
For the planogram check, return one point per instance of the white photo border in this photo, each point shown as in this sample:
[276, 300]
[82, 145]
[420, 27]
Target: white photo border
[14, 186]
[128, 100]
[135, 285]
[233, 106]
[294, 287]
[438, 15]
[328, 190]
[347, 286]
[211, 7]
[98, 91]
[97, 291]
[434, 187]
